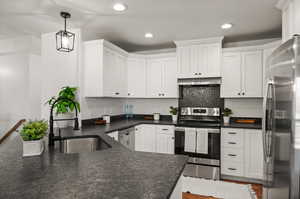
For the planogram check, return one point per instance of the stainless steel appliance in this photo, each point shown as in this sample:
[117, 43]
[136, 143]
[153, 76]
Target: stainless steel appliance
[281, 122]
[198, 135]
[126, 138]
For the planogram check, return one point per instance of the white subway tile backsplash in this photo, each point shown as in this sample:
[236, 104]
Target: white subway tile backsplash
[245, 107]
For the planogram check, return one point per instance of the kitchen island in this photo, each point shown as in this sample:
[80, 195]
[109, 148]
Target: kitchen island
[113, 173]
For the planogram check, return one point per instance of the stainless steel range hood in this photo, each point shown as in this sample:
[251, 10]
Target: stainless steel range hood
[199, 81]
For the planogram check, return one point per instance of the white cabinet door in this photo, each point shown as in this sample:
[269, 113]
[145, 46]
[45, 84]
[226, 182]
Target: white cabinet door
[154, 78]
[145, 138]
[136, 77]
[169, 77]
[92, 69]
[165, 139]
[121, 76]
[198, 61]
[184, 62]
[252, 74]
[109, 73]
[213, 61]
[254, 162]
[231, 75]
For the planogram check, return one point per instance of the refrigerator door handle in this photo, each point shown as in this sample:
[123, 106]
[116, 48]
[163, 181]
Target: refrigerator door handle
[267, 132]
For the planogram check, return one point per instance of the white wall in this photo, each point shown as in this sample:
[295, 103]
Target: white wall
[150, 106]
[245, 107]
[59, 68]
[16, 90]
[97, 107]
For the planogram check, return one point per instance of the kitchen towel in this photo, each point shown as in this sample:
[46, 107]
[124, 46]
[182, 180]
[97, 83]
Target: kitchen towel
[202, 141]
[190, 140]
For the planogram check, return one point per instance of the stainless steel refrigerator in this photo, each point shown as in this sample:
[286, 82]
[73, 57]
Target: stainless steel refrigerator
[281, 123]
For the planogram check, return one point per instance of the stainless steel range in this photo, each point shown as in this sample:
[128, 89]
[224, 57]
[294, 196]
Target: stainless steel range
[197, 133]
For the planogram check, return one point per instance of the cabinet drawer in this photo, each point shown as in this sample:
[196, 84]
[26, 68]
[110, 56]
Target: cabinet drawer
[233, 138]
[232, 155]
[232, 168]
[165, 129]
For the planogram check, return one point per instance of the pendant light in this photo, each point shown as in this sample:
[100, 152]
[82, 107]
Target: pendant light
[64, 38]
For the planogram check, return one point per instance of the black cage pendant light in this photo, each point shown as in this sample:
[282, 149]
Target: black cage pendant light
[65, 39]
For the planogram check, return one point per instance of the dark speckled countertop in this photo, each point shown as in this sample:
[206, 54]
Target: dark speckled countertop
[114, 173]
[243, 126]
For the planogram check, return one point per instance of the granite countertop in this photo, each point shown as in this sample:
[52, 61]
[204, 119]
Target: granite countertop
[244, 126]
[114, 173]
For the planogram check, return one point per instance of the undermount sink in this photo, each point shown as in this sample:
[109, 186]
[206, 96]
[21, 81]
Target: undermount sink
[82, 144]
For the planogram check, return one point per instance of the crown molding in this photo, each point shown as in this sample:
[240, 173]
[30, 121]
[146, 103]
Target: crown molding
[199, 41]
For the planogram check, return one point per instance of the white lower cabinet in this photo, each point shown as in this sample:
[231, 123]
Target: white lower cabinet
[154, 138]
[242, 153]
[254, 163]
[114, 135]
[145, 138]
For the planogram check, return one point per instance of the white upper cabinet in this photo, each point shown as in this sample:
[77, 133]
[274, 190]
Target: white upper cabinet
[231, 75]
[252, 69]
[242, 74]
[290, 18]
[199, 58]
[105, 70]
[136, 77]
[154, 78]
[162, 77]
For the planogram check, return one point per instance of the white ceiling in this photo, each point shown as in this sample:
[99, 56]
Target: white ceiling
[168, 20]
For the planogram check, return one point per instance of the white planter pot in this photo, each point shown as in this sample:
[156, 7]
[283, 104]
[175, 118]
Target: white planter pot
[174, 118]
[226, 119]
[33, 148]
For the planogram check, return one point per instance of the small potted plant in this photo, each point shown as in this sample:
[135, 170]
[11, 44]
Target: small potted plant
[174, 111]
[226, 115]
[32, 134]
[64, 108]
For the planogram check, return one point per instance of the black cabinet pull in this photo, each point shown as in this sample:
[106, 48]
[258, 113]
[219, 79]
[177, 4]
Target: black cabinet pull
[232, 133]
[128, 94]
[165, 129]
[243, 93]
[199, 73]
[239, 93]
[163, 94]
[196, 74]
[231, 143]
[232, 169]
[232, 155]
[117, 93]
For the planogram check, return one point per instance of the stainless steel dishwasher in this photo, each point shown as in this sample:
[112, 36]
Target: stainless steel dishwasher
[126, 138]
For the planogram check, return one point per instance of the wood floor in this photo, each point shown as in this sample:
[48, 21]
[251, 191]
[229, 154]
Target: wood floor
[256, 187]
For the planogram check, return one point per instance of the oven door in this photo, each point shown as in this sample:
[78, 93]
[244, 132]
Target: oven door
[213, 144]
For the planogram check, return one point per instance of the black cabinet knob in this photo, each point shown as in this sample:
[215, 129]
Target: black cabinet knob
[243, 93]
[200, 73]
[128, 94]
[239, 93]
[117, 93]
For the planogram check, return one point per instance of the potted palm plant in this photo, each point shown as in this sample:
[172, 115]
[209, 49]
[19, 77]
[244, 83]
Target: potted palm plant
[64, 108]
[32, 134]
[174, 111]
[226, 115]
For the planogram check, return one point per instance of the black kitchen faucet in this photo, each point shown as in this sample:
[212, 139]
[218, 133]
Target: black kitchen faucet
[53, 138]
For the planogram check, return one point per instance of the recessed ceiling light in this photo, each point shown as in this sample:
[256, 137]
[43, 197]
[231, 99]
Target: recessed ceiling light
[226, 26]
[119, 7]
[149, 35]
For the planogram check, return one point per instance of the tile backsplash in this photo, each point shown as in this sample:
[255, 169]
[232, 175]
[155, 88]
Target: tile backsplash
[245, 107]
